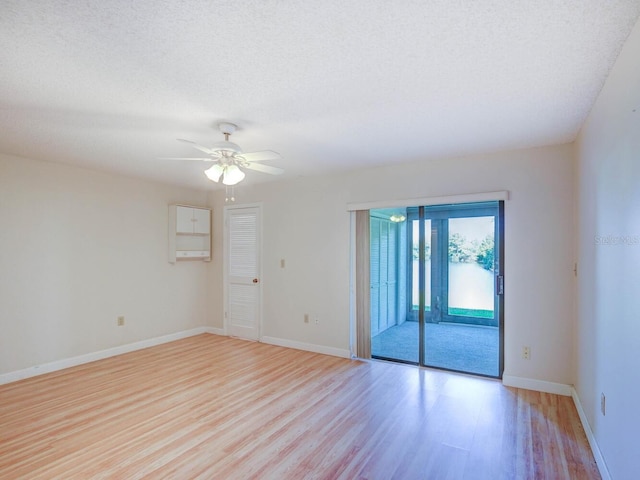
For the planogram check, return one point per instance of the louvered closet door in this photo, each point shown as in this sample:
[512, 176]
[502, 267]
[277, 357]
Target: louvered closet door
[242, 309]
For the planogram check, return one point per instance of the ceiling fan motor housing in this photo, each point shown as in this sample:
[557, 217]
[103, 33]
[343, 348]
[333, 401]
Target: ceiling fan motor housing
[226, 146]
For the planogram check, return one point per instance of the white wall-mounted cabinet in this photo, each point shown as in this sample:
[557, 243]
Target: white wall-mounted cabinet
[193, 220]
[189, 233]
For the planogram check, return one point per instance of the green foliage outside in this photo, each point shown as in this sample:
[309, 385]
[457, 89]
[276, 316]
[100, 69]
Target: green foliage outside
[427, 252]
[485, 253]
[463, 251]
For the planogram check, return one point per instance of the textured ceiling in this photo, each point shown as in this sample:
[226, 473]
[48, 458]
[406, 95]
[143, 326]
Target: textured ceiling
[331, 85]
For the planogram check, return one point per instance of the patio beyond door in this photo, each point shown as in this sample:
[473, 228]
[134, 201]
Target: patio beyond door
[449, 286]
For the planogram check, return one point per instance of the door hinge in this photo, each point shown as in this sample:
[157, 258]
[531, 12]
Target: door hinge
[500, 285]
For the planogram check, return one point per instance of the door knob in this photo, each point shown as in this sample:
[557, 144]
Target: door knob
[255, 280]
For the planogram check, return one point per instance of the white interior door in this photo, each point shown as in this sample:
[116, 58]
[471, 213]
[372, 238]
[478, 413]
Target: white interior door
[242, 258]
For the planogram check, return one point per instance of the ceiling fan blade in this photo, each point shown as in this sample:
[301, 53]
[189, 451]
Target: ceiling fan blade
[209, 159]
[199, 147]
[261, 156]
[258, 167]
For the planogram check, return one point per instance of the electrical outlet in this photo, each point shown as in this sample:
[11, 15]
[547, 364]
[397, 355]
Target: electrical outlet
[121, 321]
[526, 353]
[603, 404]
[317, 321]
[306, 318]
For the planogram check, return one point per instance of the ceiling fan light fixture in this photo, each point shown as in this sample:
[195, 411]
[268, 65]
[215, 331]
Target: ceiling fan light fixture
[214, 172]
[232, 175]
[228, 158]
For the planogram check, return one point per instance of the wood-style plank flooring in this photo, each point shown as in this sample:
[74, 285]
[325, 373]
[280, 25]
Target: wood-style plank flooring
[213, 407]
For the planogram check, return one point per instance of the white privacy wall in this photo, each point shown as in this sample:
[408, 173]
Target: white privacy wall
[306, 223]
[608, 336]
[78, 248]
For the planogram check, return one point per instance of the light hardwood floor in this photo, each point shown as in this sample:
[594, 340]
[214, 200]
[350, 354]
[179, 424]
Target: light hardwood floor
[215, 407]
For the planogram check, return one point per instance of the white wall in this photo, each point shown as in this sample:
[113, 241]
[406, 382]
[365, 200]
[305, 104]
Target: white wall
[306, 223]
[78, 248]
[608, 336]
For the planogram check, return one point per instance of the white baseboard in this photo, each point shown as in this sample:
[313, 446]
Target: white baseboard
[597, 454]
[537, 385]
[216, 331]
[309, 347]
[99, 355]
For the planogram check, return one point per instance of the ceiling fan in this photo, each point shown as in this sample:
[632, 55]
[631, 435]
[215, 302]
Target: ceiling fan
[230, 160]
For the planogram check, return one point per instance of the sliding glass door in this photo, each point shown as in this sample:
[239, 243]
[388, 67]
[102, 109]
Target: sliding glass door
[448, 297]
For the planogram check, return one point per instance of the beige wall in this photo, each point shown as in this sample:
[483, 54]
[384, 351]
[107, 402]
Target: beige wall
[77, 249]
[306, 223]
[608, 334]
[81, 247]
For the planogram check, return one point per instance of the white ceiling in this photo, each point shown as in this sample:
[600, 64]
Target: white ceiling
[331, 85]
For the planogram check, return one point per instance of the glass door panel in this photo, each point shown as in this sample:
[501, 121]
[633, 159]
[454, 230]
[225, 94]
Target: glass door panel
[464, 335]
[415, 265]
[393, 335]
[470, 264]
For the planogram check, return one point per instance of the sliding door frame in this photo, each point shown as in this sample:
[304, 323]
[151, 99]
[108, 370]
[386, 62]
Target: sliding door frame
[439, 311]
[360, 342]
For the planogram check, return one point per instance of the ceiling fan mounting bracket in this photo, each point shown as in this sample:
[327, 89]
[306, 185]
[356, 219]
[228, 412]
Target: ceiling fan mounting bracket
[227, 129]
